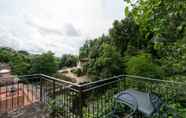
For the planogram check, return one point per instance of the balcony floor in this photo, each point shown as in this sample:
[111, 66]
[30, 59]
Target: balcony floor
[36, 110]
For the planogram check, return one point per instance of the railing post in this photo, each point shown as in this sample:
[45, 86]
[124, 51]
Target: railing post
[81, 101]
[41, 89]
[125, 84]
[54, 89]
[0, 102]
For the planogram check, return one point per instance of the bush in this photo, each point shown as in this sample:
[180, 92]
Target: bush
[56, 107]
[68, 61]
[61, 76]
[77, 71]
[107, 64]
[143, 65]
[45, 63]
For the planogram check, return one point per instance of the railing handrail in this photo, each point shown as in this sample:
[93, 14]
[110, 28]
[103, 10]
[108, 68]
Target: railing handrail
[59, 80]
[102, 81]
[99, 83]
[48, 77]
[155, 80]
[75, 87]
[122, 77]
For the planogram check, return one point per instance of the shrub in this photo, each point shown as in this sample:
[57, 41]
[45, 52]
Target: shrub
[61, 76]
[143, 65]
[77, 71]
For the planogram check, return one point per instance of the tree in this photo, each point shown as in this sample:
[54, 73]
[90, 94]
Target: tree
[19, 62]
[157, 19]
[173, 58]
[107, 64]
[91, 48]
[84, 50]
[45, 63]
[143, 65]
[5, 55]
[68, 60]
[162, 26]
[156, 27]
[124, 33]
[160, 21]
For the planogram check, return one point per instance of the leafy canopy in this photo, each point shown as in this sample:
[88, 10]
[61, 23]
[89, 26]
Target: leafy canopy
[68, 60]
[143, 65]
[45, 63]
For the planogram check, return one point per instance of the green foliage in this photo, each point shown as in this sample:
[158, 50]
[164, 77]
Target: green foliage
[23, 63]
[107, 64]
[124, 33]
[143, 65]
[56, 107]
[160, 18]
[5, 55]
[157, 27]
[91, 48]
[68, 61]
[126, 11]
[173, 58]
[19, 62]
[78, 72]
[45, 63]
[19, 65]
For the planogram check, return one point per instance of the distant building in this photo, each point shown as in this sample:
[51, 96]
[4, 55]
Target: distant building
[82, 62]
[4, 66]
[5, 71]
[5, 74]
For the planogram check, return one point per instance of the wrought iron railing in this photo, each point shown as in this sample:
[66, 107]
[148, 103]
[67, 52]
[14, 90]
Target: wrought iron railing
[91, 100]
[19, 93]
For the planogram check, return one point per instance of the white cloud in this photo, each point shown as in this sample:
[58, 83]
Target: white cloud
[57, 25]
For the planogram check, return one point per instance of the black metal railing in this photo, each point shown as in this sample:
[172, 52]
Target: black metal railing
[91, 100]
[100, 94]
[16, 94]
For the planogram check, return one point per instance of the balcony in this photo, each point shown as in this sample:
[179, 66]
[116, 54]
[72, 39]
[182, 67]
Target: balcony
[91, 100]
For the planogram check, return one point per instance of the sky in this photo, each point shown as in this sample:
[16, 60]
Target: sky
[61, 26]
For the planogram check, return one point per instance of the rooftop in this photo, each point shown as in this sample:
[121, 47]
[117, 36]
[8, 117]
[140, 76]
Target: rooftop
[4, 71]
[4, 66]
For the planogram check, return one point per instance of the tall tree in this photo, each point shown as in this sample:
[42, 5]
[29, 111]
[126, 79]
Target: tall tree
[19, 62]
[45, 63]
[68, 60]
[125, 32]
[107, 64]
[143, 65]
[160, 20]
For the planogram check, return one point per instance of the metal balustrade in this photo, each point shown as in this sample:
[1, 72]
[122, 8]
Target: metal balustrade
[91, 100]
